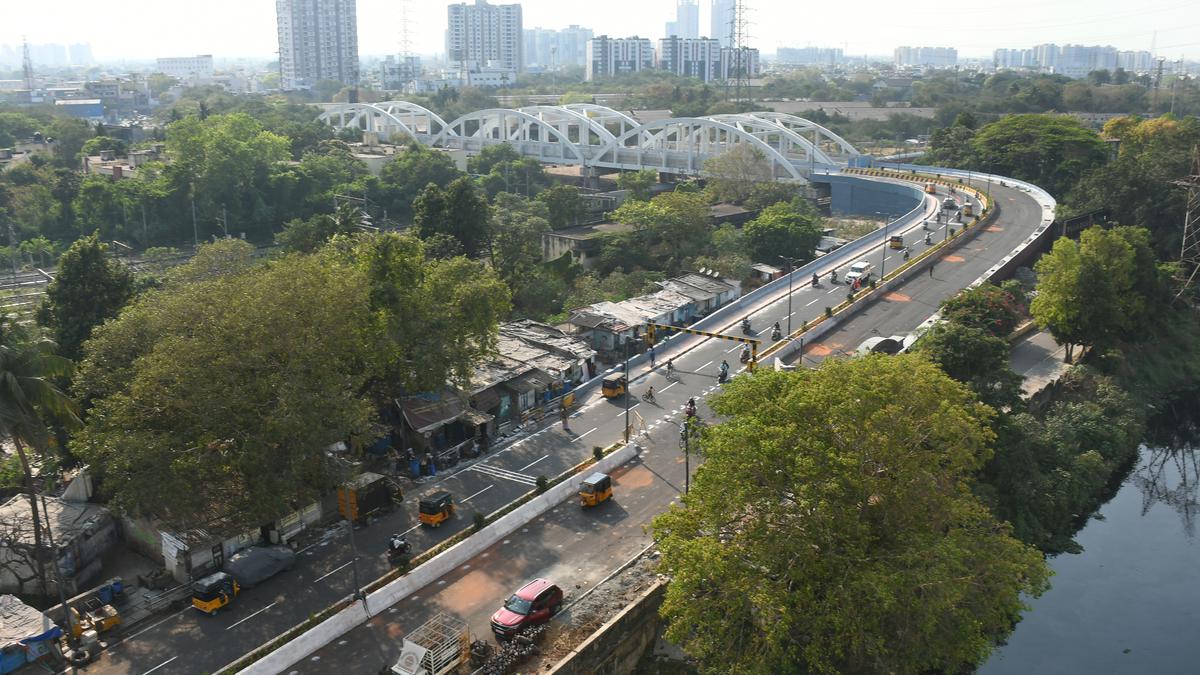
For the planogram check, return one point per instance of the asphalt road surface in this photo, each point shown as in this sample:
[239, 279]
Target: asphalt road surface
[574, 548]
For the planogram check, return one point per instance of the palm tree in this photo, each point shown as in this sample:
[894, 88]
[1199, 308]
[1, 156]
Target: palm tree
[29, 401]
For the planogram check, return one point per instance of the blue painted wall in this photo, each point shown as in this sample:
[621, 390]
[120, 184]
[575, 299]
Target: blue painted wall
[857, 196]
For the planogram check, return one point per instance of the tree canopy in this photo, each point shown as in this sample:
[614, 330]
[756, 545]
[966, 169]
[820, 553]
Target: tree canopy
[831, 528]
[783, 229]
[89, 289]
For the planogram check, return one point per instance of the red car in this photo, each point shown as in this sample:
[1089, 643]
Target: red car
[532, 604]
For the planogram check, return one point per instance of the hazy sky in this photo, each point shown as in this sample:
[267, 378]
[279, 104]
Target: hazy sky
[233, 28]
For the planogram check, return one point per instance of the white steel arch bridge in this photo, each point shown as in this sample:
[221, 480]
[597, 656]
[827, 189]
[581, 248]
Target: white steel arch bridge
[597, 137]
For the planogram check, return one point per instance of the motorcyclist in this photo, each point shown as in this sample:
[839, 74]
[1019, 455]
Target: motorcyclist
[397, 547]
[906, 253]
[776, 332]
[670, 367]
[723, 373]
[746, 325]
[691, 407]
[833, 276]
[816, 280]
[928, 240]
[745, 353]
[649, 395]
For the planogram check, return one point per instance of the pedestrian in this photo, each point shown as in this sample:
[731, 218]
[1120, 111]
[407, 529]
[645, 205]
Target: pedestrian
[564, 414]
[651, 357]
[432, 465]
[930, 270]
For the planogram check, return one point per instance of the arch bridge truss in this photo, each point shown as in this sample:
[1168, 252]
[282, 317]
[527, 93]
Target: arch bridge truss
[594, 136]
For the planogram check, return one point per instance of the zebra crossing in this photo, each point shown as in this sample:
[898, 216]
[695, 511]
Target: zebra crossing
[497, 472]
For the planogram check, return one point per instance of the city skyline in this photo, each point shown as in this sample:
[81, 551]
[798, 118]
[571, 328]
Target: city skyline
[230, 30]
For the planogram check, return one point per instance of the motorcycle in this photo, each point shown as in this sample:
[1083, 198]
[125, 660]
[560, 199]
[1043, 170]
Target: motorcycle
[816, 280]
[833, 276]
[745, 357]
[746, 327]
[398, 549]
[723, 374]
[776, 334]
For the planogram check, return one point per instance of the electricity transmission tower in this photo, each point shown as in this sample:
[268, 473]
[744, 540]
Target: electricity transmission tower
[27, 67]
[1189, 256]
[739, 37]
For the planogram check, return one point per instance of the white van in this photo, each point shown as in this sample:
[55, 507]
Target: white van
[861, 271]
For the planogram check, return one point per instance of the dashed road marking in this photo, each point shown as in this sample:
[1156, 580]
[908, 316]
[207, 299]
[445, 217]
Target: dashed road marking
[497, 472]
[480, 492]
[244, 620]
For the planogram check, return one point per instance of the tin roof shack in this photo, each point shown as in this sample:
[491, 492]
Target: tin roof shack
[83, 532]
[608, 325]
[534, 363]
[26, 635]
[708, 292]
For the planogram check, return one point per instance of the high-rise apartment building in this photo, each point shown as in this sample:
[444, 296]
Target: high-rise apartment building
[721, 19]
[1079, 60]
[1135, 62]
[687, 20]
[553, 49]
[480, 36]
[607, 57]
[692, 57]
[810, 56]
[935, 57]
[1013, 58]
[735, 61]
[318, 40]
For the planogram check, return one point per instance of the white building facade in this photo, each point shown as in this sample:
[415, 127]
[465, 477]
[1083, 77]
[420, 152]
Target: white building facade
[692, 57]
[318, 40]
[187, 68]
[481, 36]
[687, 20]
[549, 49]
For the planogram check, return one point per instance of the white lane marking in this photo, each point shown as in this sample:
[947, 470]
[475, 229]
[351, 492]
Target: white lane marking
[160, 665]
[706, 365]
[669, 386]
[483, 490]
[813, 302]
[332, 571]
[497, 472]
[622, 413]
[735, 347]
[261, 610]
[586, 433]
[533, 462]
[414, 527]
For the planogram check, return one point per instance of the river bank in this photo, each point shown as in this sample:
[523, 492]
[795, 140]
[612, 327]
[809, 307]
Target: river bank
[1127, 603]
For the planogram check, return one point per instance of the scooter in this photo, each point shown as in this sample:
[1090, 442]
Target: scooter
[776, 334]
[746, 329]
[398, 549]
[745, 357]
[722, 375]
[816, 280]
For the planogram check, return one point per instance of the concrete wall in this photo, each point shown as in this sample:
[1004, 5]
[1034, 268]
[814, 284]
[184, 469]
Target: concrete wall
[617, 646]
[854, 195]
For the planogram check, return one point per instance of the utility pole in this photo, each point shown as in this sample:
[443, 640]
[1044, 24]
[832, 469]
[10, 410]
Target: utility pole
[195, 228]
[627, 394]
[1189, 256]
[685, 437]
[27, 67]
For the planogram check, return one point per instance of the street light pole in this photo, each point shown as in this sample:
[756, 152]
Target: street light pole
[883, 255]
[627, 383]
[687, 438]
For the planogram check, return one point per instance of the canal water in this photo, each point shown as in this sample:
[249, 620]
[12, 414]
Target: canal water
[1130, 602]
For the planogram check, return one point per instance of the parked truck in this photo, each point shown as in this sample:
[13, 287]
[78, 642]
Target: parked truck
[363, 495]
[437, 646]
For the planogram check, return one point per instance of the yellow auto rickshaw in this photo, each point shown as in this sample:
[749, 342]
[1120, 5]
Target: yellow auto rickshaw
[613, 386]
[435, 508]
[968, 209]
[214, 592]
[595, 489]
[930, 189]
[896, 241]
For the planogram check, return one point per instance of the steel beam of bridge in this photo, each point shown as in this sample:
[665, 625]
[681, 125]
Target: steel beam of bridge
[596, 137]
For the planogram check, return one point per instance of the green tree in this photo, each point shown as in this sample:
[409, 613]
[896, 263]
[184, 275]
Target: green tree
[30, 403]
[160, 83]
[974, 357]
[69, 135]
[733, 174]
[403, 178]
[89, 289]
[218, 397]
[831, 528]
[678, 222]
[16, 126]
[226, 162]
[440, 315]
[988, 307]
[306, 236]
[1101, 290]
[782, 229]
[459, 211]
[564, 205]
[1050, 151]
[638, 183]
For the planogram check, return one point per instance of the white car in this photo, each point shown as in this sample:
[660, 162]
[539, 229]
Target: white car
[859, 271]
